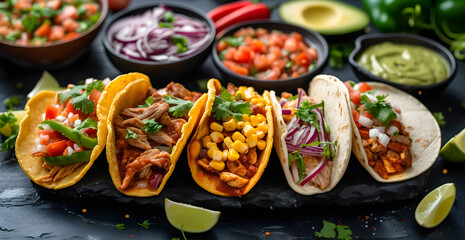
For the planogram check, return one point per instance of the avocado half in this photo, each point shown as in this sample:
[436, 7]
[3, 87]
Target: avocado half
[325, 17]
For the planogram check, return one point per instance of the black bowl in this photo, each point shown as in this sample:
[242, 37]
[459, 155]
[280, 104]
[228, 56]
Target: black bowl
[57, 54]
[313, 39]
[364, 41]
[160, 71]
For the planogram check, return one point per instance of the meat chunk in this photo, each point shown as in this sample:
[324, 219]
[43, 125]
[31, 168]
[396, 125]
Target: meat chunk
[233, 180]
[401, 139]
[141, 140]
[153, 111]
[236, 167]
[135, 122]
[322, 179]
[205, 164]
[161, 137]
[153, 157]
[231, 89]
[252, 156]
[257, 109]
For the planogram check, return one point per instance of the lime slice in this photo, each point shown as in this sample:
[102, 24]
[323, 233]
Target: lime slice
[46, 82]
[190, 218]
[435, 206]
[454, 150]
[6, 130]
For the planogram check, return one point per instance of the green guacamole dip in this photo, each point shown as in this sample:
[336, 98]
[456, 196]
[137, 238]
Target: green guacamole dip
[404, 63]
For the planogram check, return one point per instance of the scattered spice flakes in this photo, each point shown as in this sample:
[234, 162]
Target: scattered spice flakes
[444, 171]
[131, 236]
[420, 92]
[459, 119]
[267, 233]
[126, 216]
[84, 210]
[449, 109]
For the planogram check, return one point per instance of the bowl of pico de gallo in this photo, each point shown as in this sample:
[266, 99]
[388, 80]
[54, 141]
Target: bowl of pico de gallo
[268, 55]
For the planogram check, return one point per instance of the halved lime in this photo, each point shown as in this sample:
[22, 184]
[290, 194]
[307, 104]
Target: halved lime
[6, 130]
[454, 150]
[435, 206]
[190, 218]
[46, 82]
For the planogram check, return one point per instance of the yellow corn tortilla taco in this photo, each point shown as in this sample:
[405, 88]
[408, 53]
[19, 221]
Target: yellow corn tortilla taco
[245, 143]
[329, 92]
[140, 163]
[34, 166]
[420, 126]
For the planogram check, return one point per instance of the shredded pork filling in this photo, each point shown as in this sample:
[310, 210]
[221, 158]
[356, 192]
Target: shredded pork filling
[144, 155]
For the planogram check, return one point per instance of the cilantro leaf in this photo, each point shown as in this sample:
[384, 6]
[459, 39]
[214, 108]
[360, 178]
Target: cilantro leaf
[12, 102]
[149, 101]
[151, 126]
[440, 119]
[130, 134]
[169, 17]
[120, 226]
[328, 230]
[226, 95]
[344, 232]
[7, 119]
[144, 224]
[94, 85]
[83, 104]
[223, 108]
[9, 143]
[88, 123]
[304, 112]
[181, 106]
[380, 109]
[72, 92]
[180, 41]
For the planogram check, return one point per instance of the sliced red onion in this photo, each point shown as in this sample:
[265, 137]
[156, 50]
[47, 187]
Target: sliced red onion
[155, 180]
[287, 112]
[312, 135]
[299, 99]
[282, 102]
[292, 126]
[364, 121]
[313, 150]
[315, 171]
[297, 136]
[319, 116]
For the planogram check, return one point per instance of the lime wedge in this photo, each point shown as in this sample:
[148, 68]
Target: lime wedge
[454, 150]
[435, 206]
[6, 130]
[46, 82]
[190, 218]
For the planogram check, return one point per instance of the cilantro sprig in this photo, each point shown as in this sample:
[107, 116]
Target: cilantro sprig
[440, 119]
[151, 126]
[130, 134]
[145, 224]
[12, 102]
[149, 101]
[9, 119]
[380, 109]
[304, 112]
[329, 231]
[79, 96]
[88, 123]
[179, 107]
[225, 105]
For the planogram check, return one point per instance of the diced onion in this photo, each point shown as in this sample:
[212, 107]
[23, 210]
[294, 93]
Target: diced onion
[41, 148]
[76, 146]
[43, 116]
[392, 130]
[70, 151]
[364, 121]
[70, 115]
[37, 141]
[60, 118]
[384, 139]
[381, 129]
[89, 81]
[374, 133]
[77, 122]
[106, 81]
[155, 180]
[45, 126]
[399, 117]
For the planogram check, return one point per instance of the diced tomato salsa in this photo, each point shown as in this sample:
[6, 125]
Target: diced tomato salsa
[354, 95]
[39, 22]
[266, 55]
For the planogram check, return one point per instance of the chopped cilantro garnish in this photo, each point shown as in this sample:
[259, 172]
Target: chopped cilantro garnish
[233, 42]
[95, 85]
[12, 102]
[169, 17]
[9, 119]
[344, 232]
[72, 92]
[80, 100]
[225, 106]
[380, 109]
[352, 83]
[180, 41]
[288, 65]
[440, 118]
[149, 101]
[151, 126]
[130, 134]
[165, 25]
[88, 123]
[329, 231]
[293, 97]
[396, 133]
[222, 54]
[311, 67]
[120, 226]
[83, 104]
[144, 224]
[410, 139]
[304, 112]
[180, 107]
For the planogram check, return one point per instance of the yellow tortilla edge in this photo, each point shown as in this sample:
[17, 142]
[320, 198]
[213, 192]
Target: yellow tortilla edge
[208, 181]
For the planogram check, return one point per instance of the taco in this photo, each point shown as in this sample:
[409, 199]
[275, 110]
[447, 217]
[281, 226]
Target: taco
[64, 132]
[231, 147]
[147, 131]
[313, 135]
[395, 136]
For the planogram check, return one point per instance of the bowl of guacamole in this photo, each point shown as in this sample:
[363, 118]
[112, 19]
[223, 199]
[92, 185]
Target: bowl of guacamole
[413, 63]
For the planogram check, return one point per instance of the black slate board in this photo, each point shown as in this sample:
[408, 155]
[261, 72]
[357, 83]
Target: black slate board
[357, 187]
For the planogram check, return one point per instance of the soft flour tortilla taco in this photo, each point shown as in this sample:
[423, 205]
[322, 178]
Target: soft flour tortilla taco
[313, 135]
[147, 131]
[395, 136]
[231, 147]
[64, 132]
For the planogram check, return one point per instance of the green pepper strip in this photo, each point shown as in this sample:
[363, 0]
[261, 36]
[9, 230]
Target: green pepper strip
[76, 157]
[72, 135]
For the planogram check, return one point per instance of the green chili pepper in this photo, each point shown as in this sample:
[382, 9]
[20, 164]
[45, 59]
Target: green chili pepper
[76, 157]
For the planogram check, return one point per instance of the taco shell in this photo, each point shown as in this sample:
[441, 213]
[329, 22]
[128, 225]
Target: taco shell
[209, 181]
[421, 125]
[132, 95]
[35, 107]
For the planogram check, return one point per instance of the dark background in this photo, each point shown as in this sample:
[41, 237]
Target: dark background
[28, 213]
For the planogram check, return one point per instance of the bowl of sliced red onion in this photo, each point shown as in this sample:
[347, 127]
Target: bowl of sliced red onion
[163, 40]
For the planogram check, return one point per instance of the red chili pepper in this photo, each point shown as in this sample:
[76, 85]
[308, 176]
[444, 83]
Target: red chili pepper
[223, 10]
[247, 13]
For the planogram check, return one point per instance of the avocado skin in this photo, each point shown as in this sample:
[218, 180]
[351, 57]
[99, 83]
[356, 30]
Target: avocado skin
[357, 19]
[72, 135]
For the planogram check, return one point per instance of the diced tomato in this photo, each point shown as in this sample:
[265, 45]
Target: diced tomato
[51, 112]
[356, 116]
[222, 45]
[70, 36]
[291, 45]
[260, 62]
[236, 68]
[91, 8]
[70, 25]
[44, 29]
[91, 132]
[348, 86]
[312, 55]
[295, 74]
[355, 97]
[73, 118]
[70, 143]
[258, 46]
[242, 55]
[54, 4]
[365, 113]
[68, 11]
[57, 33]
[303, 60]
[364, 87]
[95, 96]
[272, 74]
[44, 139]
[56, 149]
[23, 4]
[229, 55]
